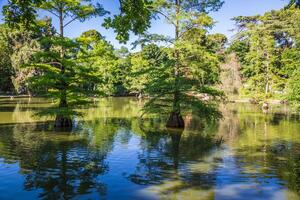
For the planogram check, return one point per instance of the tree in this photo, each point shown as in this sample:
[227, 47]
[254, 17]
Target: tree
[60, 69]
[265, 47]
[292, 57]
[6, 69]
[261, 60]
[61, 76]
[18, 47]
[190, 66]
[294, 89]
[20, 13]
[99, 56]
[230, 76]
[295, 3]
[142, 65]
[134, 15]
[120, 73]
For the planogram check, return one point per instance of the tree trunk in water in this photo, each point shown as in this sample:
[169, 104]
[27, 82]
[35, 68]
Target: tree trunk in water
[62, 121]
[175, 121]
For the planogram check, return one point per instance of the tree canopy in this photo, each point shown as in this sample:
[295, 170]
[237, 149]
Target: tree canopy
[177, 74]
[267, 47]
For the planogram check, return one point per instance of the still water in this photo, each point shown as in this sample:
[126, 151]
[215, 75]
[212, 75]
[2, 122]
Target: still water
[111, 154]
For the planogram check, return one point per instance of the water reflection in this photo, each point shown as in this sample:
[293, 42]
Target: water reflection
[113, 155]
[59, 167]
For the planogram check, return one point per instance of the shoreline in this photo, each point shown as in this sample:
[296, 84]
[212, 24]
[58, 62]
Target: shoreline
[271, 101]
[3, 96]
[246, 100]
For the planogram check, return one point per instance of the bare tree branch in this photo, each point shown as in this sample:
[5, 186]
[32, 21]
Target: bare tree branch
[165, 16]
[69, 22]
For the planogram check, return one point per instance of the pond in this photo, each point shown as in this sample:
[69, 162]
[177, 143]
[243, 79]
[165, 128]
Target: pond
[112, 154]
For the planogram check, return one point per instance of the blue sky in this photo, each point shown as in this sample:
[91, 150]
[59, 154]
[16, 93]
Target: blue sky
[223, 17]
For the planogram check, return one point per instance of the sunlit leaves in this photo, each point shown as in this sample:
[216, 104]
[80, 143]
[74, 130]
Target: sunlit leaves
[134, 16]
[294, 89]
[265, 46]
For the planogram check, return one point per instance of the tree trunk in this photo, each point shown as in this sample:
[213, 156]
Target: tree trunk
[175, 120]
[62, 121]
[267, 88]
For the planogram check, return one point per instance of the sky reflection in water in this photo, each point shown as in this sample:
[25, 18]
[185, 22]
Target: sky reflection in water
[114, 155]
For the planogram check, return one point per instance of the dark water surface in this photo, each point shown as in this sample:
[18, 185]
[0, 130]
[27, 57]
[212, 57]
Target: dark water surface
[114, 155]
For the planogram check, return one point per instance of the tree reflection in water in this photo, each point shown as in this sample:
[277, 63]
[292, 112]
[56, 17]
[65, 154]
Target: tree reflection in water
[113, 154]
[165, 156]
[61, 165]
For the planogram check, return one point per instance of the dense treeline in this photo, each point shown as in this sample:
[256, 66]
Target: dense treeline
[267, 47]
[180, 74]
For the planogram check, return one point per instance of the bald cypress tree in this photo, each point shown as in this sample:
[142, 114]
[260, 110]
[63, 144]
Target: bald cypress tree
[188, 66]
[61, 75]
[63, 71]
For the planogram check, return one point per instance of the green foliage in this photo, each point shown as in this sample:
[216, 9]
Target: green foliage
[178, 75]
[294, 89]
[20, 13]
[109, 65]
[18, 46]
[295, 3]
[240, 48]
[24, 13]
[121, 73]
[6, 69]
[135, 16]
[60, 76]
[62, 73]
[153, 69]
[145, 65]
[266, 49]
[99, 56]
[74, 10]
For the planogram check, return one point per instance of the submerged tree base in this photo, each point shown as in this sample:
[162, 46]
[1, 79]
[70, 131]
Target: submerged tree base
[63, 122]
[175, 121]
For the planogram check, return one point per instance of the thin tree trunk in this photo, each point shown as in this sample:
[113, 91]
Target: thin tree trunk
[62, 121]
[175, 119]
[267, 87]
[265, 106]
[267, 75]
